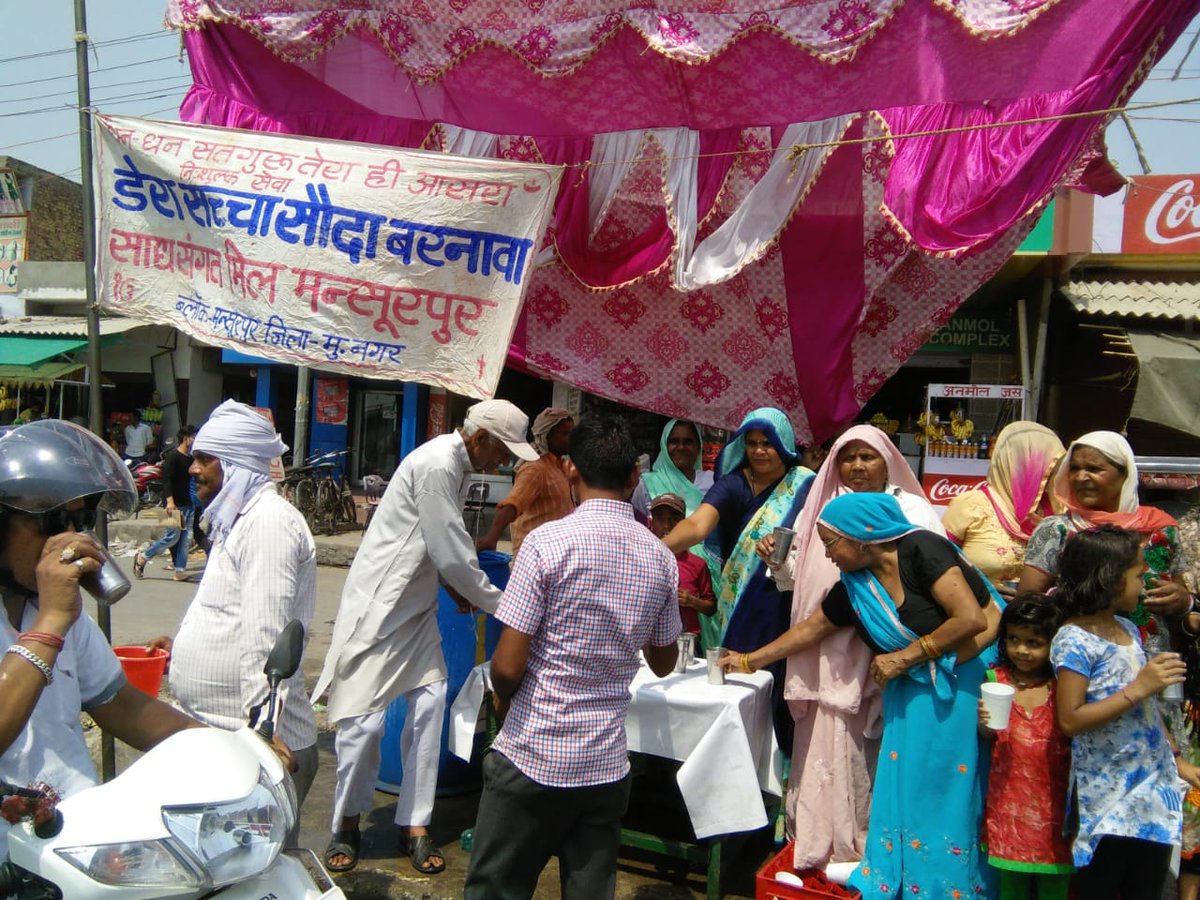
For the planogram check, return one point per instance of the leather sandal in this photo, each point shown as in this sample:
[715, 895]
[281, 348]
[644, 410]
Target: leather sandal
[343, 843]
[422, 849]
[139, 565]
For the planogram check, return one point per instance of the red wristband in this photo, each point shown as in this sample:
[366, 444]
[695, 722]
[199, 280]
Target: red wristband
[42, 637]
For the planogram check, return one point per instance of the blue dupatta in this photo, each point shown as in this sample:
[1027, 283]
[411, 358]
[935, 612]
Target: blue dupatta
[929, 747]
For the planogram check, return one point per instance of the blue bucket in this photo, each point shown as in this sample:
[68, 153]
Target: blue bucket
[459, 641]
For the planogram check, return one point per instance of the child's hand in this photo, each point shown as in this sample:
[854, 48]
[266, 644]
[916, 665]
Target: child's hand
[1163, 669]
[984, 718]
[688, 599]
[1188, 772]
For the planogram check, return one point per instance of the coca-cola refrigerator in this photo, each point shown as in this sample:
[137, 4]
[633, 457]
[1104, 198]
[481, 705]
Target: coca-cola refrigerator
[953, 460]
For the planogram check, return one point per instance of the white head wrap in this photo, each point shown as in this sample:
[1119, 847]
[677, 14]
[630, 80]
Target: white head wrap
[1117, 451]
[245, 443]
[545, 422]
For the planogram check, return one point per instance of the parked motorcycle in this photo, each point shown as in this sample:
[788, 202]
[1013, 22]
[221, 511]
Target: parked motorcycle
[204, 812]
[147, 476]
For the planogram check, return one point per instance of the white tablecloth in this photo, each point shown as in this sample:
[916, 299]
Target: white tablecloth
[723, 734]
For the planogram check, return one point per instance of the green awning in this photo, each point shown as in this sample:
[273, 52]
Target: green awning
[39, 375]
[29, 350]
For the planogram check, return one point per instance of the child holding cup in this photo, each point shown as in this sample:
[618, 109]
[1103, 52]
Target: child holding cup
[1031, 759]
[1126, 767]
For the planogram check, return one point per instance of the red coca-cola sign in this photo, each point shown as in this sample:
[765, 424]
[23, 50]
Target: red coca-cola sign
[1162, 214]
[941, 489]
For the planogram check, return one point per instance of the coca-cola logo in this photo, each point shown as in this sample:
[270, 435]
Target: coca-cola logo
[944, 490]
[1175, 215]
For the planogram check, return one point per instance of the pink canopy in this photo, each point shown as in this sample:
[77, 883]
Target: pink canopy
[694, 266]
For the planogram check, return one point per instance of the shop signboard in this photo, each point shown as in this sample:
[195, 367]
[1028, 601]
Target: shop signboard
[349, 258]
[951, 467]
[11, 203]
[13, 242]
[965, 334]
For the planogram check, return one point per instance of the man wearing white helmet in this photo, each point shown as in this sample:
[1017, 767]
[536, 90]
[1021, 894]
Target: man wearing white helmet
[55, 662]
[386, 641]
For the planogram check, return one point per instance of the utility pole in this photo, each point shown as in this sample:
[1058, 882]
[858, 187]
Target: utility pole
[108, 758]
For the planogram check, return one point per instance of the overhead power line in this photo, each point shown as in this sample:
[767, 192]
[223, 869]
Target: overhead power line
[131, 65]
[115, 42]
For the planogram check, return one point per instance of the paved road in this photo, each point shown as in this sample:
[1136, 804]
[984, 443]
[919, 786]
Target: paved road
[156, 605]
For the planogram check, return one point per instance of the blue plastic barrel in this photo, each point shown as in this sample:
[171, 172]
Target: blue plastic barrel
[458, 647]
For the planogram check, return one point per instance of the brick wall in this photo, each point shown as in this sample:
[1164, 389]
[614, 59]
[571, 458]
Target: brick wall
[55, 213]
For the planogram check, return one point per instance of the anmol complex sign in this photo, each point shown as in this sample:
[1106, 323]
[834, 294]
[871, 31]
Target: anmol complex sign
[1154, 214]
[973, 334]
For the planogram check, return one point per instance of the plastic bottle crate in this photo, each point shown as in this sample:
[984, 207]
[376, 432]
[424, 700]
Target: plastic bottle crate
[767, 888]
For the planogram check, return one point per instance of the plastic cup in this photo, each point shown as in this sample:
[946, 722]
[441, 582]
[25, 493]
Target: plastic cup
[144, 668]
[716, 675]
[997, 700]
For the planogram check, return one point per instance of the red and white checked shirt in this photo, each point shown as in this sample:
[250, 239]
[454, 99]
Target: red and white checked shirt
[590, 589]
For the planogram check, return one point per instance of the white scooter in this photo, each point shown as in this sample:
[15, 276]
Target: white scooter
[204, 813]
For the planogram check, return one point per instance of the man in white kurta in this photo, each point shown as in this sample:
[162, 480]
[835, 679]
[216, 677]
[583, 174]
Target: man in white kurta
[386, 641]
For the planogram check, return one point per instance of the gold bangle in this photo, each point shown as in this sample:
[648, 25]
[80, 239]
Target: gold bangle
[745, 661]
[930, 647]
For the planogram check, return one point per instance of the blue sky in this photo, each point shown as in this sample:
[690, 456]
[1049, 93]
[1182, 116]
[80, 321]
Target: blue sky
[137, 70]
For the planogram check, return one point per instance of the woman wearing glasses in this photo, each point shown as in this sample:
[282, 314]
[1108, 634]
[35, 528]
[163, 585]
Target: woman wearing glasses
[920, 608]
[53, 478]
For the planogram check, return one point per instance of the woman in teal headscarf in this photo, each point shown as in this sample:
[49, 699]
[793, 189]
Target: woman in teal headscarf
[759, 486]
[932, 651]
[677, 468]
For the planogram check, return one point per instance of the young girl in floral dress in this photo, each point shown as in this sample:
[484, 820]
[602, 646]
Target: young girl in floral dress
[1031, 760]
[1125, 766]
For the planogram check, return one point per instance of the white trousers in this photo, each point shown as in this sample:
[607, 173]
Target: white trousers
[358, 754]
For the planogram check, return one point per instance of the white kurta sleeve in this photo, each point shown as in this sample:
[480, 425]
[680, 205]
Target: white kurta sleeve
[447, 542]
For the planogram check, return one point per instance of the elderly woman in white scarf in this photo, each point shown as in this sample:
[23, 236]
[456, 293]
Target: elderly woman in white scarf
[262, 573]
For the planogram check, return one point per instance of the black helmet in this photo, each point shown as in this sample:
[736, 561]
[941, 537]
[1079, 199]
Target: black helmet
[50, 462]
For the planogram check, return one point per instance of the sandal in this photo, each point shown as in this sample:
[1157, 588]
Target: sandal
[422, 849]
[343, 843]
[139, 565]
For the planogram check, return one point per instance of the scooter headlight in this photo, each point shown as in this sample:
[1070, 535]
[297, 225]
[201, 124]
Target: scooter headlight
[154, 864]
[234, 841]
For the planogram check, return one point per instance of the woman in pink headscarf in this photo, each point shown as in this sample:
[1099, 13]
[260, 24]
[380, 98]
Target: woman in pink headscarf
[835, 704]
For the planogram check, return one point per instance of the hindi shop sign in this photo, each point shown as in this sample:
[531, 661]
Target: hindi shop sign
[14, 232]
[349, 258]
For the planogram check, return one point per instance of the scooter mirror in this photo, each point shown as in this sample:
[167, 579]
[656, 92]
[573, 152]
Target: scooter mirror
[285, 655]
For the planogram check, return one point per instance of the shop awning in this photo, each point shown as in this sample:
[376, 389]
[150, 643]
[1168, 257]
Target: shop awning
[21, 350]
[42, 374]
[1177, 301]
[1168, 391]
[67, 326]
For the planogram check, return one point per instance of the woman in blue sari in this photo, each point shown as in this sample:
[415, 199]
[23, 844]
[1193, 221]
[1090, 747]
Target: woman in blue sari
[917, 602]
[759, 486]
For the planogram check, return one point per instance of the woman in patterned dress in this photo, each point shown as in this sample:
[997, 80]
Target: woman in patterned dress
[1098, 485]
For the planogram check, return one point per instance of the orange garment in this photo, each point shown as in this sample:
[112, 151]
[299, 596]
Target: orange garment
[540, 494]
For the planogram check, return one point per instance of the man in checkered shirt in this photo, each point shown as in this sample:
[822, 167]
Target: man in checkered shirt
[587, 592]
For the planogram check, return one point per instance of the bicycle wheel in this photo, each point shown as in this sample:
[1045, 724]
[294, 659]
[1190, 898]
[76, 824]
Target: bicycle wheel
[306, 501]
[349, 510]
[327, 504]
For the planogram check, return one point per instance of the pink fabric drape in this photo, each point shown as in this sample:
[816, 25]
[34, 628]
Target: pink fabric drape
[891, 238]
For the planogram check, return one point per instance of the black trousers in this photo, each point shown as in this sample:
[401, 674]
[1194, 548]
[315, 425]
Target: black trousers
[1125, 868]
[521, 824]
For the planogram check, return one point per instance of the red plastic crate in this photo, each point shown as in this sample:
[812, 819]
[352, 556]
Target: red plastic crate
[767, 888]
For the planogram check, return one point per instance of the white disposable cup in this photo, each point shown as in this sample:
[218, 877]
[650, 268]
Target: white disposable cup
[716, 675]
[997, 700]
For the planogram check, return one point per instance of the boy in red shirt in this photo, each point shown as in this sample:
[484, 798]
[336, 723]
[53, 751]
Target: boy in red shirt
[695, 584]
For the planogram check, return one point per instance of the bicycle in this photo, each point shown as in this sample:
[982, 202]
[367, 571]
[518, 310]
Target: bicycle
[334, 501]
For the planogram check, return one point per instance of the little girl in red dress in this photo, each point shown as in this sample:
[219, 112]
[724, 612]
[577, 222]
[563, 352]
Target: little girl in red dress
[1031, 760]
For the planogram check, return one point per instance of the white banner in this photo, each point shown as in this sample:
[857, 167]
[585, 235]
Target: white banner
[350, 258]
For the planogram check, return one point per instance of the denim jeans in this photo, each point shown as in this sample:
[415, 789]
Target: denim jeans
[175, 537]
